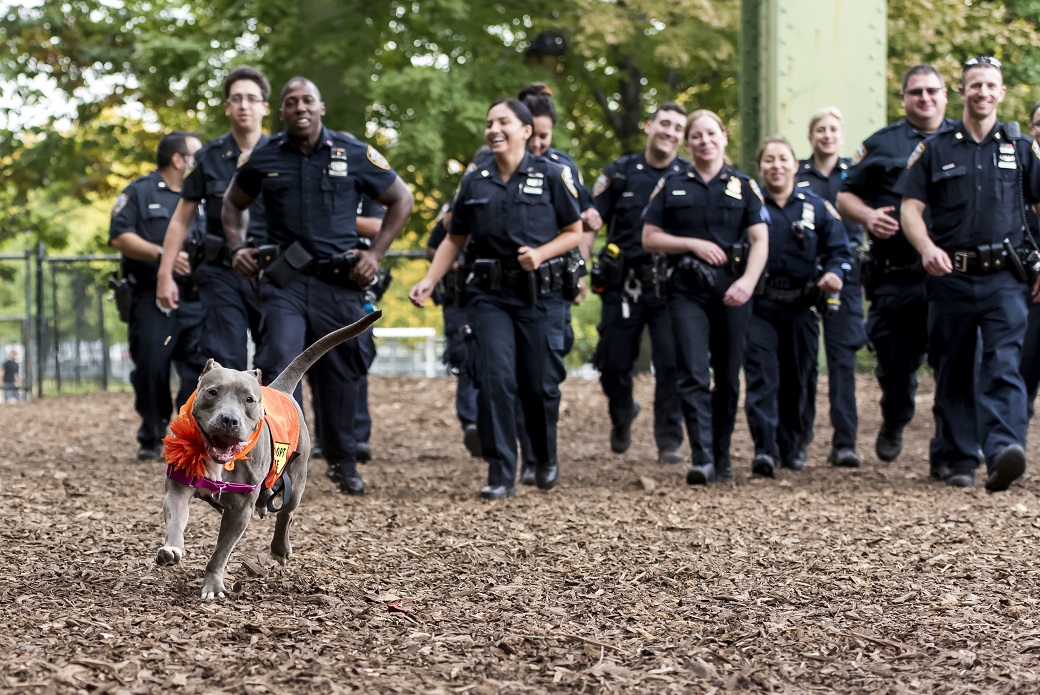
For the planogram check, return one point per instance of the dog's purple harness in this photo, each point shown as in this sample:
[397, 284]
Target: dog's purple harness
[217, 486]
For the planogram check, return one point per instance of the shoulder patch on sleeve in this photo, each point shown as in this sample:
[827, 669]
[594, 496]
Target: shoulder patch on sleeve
[601, 185]
[377, 159]
[568, 180]
[121, 202]
[861, 152]
[192, 163]
[658, 188]
[1036, 149]
[243, 158]
[915, 155]
[756, 190]
[831, 209]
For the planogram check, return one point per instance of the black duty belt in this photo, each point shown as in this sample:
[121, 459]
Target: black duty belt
[982, 260]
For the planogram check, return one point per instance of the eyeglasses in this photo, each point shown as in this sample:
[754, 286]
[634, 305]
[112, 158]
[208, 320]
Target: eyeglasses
[983, 60]
[918, 91]
[249, 98]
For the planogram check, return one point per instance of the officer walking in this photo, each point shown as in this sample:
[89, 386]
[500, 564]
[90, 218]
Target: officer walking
[158, 337]
[894, 279]
[808, 258]
[231, 303]
[310, 179]
[517, 217]
[1030, 365]
[843, 333]
[709, 220]
[975, 178]
[626, 281]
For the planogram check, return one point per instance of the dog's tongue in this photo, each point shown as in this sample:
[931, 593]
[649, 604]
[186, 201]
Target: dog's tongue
[223, 454]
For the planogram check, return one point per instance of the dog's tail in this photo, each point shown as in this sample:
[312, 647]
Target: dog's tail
[286, 381]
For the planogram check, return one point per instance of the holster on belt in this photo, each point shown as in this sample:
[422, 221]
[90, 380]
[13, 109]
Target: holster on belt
[215, 250]
[287, 265]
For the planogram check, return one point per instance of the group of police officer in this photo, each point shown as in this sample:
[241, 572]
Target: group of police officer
[947, 270]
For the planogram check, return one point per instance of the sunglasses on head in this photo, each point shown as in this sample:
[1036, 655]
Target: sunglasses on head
[918, 91]
[983, 60]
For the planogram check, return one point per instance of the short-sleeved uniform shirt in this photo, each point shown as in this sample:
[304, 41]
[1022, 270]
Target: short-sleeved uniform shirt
[720, 210]
[213, 168]
[313, 198]
[973, 189]
[876, 169]
[145, 208]
[621, 193]
[828, 187]
[823, 237]
[528, 210]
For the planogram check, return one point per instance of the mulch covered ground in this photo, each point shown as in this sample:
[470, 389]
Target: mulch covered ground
[622, 579]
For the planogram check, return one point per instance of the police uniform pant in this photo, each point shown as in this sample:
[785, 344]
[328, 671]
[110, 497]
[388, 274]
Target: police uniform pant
[616, 355]
[783, 346]
[293, 318]
[710, 340]
[980, 404]
[457, 358]
[232, 309]
[362, 416]
[843, 335]
[157, 343]
[1030, 366]
[897, 329]
[517, 362]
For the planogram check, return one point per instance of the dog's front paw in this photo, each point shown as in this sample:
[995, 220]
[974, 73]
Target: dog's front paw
[213, 589]
[168, 555]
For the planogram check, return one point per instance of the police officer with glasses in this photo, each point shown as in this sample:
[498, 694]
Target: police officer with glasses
[975, 179]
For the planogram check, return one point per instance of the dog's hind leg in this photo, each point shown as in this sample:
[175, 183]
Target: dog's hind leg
[233, 525]
[175, 514]
[281, 546]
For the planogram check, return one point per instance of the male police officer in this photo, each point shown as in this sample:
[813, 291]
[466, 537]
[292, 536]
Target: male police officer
[310, 178]
[627, 285]
[158, 337]
[232, 305]
[973, 178]
[894, 279]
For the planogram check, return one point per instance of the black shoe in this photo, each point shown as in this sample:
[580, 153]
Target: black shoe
[669, 456]
[939, 473]
[796, 462]
[150, 453]
[763, 465]
[621, 435]
[352, 484]
[364, 454]
[889, 443]
[471, 438]
[1008, 466]
[701, 475]
[844, 457]
[961, 480]
[332, 473]
[723, 472]
[527, 476]
[316, 452]
[497, 492]
[547, 475]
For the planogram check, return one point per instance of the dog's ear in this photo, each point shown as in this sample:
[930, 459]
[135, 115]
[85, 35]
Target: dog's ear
[211, 364]
[256, 373]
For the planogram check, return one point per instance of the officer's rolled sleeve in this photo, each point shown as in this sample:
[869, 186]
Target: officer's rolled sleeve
[193, 189]
[125, 220]
[607, 198]
[913, 182]
[249, 179]
[565, 204]
[653, 213]
[835, 243]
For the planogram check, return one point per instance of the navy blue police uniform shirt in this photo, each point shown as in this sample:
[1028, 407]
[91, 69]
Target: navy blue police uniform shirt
[621, 193]
[486, 157]
[828, 187]
[145, 208]
[528, 210]
[720, 210]
[824, 237]
[875, 171]
[973, 189]
[314, 198]
[212, 169]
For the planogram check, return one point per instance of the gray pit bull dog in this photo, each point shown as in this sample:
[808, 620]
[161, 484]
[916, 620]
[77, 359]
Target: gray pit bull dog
[227, 410]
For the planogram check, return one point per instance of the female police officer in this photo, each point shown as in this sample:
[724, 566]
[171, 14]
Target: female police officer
[784, 335]
[515, 217]
[843, 331]
[709, 220]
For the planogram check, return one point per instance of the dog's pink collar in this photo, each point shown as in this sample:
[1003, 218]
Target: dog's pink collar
[204, 483]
